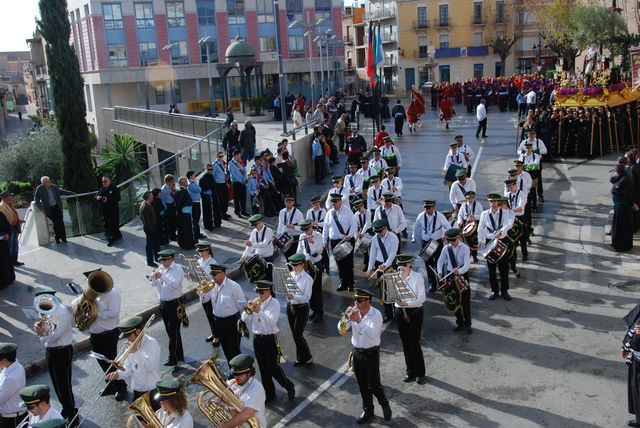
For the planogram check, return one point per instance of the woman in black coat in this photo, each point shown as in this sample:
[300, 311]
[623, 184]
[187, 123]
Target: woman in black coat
[623, 206]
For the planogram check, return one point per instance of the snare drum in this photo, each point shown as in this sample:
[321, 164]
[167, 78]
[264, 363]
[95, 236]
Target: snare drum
[364, 243]
[430, 249]
[255, 268]
[342, 250]
[516, 231]
[451, 295]
[470, 234]
[494, 251]
[283, 242]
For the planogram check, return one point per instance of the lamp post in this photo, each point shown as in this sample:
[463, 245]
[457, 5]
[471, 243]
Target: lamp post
[206, 40]
[335, 44]
[143, 63]
[309, 28]
[283, 107]
[169, 47]
[323, 40]
[318, 39]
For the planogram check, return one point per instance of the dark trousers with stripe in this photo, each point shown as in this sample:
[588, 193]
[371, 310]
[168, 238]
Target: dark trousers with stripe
[345, 266]
[366, 366]
[195, 218]
[12, 422]
[239, 197]
[106, 343]
[210, 212]
[227, 330]
[316, 301]
[59, 361]
[298, 315]
[208, 311]
[267, 356]
[222, 194]
[410, 331]
[169, 313]
[463, 313]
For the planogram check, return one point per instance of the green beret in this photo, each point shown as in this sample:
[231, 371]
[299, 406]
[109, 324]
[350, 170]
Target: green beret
[305, 224]
[458, 137]
[202, 246]
[315, 199]
[241, 363]
[403, 259]
[512, 172]
[461, 173]
[518, 162]
[216, 268]
[51, 423]
[45, 292]
[528, 143]
[263, 284]
[296, 259]
[452, 233]
[335, 196]
[336, 178]
[510, 181]
[7, 348]
[355, 205]
[167, 388]
[388, 196]
[289, 198]
[359, 293]
[34, 394]
[363, 160]
[470, 193]
[379, 224]
[390, 169]
[428, 203]
[493, 197]
[255, 218]
[374, 179]
[130, 325]
[166, 254]
[503, 200]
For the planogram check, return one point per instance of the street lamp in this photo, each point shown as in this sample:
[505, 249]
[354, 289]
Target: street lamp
[283, 107]
[143, 63]
[206, 40]
[169, 47]
[337, 43]
[309, 31]
[323, 38]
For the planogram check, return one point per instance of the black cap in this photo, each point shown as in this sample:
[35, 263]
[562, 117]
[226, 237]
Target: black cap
[403, 259]
[315, 199]
[510, 181]
[428, 203]
[458, 137]
[493, 197]
[7, 348]
[217, 268]
[335, 196]
[336, 178]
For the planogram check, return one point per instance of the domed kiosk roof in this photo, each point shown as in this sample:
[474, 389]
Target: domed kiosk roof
[240, 50]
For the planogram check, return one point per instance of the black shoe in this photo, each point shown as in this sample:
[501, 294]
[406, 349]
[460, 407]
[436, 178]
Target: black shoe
[387, 319]
[64, 240]
[633, 423]
[351, 288]
[506, 296]
[468, 329]
[484, 136]
[432, 289]
[386, 412]
[291, 392]
[475, 259]
[458, 328]
[405, 234]
[517, 273]
[153, 265]
[541, 199]
[170, 362]
[364, 418]
[421, 380]
[318, 318]
[216, 342]
[342, 288]
[209, 339]
[18, 263]
[493, 296]
[121, 395]
[409, 378]
[524, 259]
[447, 126]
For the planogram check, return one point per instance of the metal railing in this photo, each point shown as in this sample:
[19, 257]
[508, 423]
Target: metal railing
[183, 123]
[386, 13]
[305, 126]
[420, 25]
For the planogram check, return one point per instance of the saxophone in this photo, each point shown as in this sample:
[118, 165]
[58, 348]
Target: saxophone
[198, 275]
[141, 408]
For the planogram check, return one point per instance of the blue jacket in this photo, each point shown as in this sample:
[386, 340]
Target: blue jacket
[237, 172]
[252, 186]
[194, 191]
[219, 173]
[316, 149]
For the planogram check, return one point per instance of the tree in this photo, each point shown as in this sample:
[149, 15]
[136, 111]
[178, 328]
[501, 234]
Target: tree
[499, 31]
[68, 94]
[600, 25]
[120, 158]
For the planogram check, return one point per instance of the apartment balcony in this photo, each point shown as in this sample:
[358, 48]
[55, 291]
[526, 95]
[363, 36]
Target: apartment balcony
[347, 40]
[380, 15]
[420, 25]
[389, 37]
[390, 62]
[442, 22]
[478, 20]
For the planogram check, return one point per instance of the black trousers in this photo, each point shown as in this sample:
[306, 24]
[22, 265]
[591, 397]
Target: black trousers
[410, 333]
[503, 267]
[239, 197]
[169, 312]
[463, 313]
[268, 206]
[482, 125]
[196, 212]
[171, 221]
[222, 194]
[12, 422]
[227, 330]
[111, 224]
[532, 198]
[59, 361]
[316, 301]
[366, 366]
[297, 322]
[318, 168]
[106, 343]
[152, 245]
[208, 311]
[345, 266]
[399, 124]
[539, 187]
[267, 356]
[525, 236]
[58, 223]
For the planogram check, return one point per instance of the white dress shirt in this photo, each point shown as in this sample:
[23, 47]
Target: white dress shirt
[390, 243]
[175, 420]
[457, 191]
[466, 151]
[523, 181]
[388, 185]
[395, 217]
[530, 97]
[366, 333]
[227, 298]
[312, 252]
[169, 285]
[265, 321]
[12, 380]
[108, 311]
[206, 267]
[415, 281]
[363, 221]
[142, 368]
[457, 159]
[538, 147]
[369, 172]
[253, 397]
[492, 222]
[374, 197]
[391, 149]
[261, 243]
[461, 253]
[51, 414]
[428, 227]
[289, 217]
[346, 219]
[62, 335]
[517, 202]
[305, 284]
[379, 164]
[317, 215]
[467, 209]
[481, 112]
[531, 162]
[354, 183]
[343, 190]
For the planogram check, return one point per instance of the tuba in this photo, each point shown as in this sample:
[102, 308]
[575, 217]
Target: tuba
[87, 312]
[141, 408]
[224, 404]
[45, 305]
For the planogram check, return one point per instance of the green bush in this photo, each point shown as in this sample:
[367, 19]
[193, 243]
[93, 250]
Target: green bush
[17, 187]
[549, 74]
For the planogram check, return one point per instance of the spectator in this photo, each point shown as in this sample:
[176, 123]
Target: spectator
[623, 207]
[220, 187]
[522, 104]
[15, 222]
[531, 98]
[399, 116]
[277, 113]
[340, 129]
[158, 209]
[247, 141]
[229, 119]
[7, 273]
[47, 198]
[150, 227]
[481, 115]
[167, 194]
[318, 160]
[231, 140]
[238, 177]
[297, 116]
[109, 198]
[195, 194]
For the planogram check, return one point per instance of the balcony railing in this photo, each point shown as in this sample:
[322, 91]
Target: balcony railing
[390, 62]
[381, 14]
[420, 25]
[348, 40]
[441, 22]
[389, 37]
[478, 20]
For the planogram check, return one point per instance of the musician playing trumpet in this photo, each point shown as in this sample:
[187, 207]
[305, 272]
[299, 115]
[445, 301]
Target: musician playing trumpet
[205, 260]
[384, 247]
[310, 244]
[298, 309]
[249, 390]
[409, 315]
[455, 257]
[469, 211]
[260, 240]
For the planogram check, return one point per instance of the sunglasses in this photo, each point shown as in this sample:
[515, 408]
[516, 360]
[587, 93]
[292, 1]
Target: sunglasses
[209, 169]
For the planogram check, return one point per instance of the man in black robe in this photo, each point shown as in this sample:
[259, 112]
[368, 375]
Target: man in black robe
[7, 273]
[109, 196]
[211, 216]
[623, 206]
[399, 116]
[184, 207]
[630, 352]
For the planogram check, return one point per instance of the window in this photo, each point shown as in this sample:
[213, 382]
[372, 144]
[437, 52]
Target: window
[477, 39]
[267, 44]
[478, 71]
[294, 10]
[498, 68]
[86, 10]
[445, 73]
[148, 53]
[444, 14]
[177, 94]
[179, 53]
[160, 98]
[422, 17]
[525, 18]
[323, 9]
[175, 14]
[213, 51]
[206, 12]
[117, 56]
[423, 52]
[477, 12]
[264, 9]
[235, 10]
[144, 15]
[87, 96]
[296, 43]
[500, 11]
[112, 16]
[444, 41]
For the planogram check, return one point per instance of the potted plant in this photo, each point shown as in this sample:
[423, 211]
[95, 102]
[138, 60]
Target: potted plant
[257, 104]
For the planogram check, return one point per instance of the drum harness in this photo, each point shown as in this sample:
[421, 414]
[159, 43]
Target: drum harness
[493, 224]
[433, 224]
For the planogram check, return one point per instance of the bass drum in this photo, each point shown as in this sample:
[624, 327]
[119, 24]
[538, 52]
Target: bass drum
[470, 234]
[516, 231]
[255, 268]
[451, 295]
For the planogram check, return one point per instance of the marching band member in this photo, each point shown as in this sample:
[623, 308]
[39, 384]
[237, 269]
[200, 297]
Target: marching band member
[455, 158]
[227, 301]
[455, 258]
[513, 257]
[531, 163]
[142, 365]
[51, 423]
[384, 247]
[288, 220]
[12, 381]
[378, 163]
[104, 333]
[36, 399]
[374, 195]
[317, 214]
[205, 260]
[354, 182]
[298, 309]
[311, 246]
[464, 150]
[168, 281]
[494, 223]
[264, 325]
[430, 224]
[390, 150]
[391, 183]
[338, 188]
[59, 355]
[366, 328]
[393, 214]
[363, 221]
[409, 315]
[249, 390]
[539, 149]
[260, 240]
[522, 177]
[366, 170]
[517, 203]
[173, 412]
[470, 211]
[340, 225]
[459, 189]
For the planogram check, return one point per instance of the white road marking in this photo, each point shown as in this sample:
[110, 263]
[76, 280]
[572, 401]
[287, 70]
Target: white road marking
[475, 162]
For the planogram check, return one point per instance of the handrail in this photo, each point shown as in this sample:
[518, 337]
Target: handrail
[305, 126]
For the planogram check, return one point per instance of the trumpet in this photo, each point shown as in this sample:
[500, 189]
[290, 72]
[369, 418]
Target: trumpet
[151, 276]
[251, 306]
[45, 305]
[342, 324]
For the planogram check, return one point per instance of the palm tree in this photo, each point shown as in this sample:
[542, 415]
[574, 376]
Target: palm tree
[120, 158]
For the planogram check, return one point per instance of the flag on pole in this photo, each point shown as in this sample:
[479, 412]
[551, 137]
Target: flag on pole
[371, 68]
[379, 54]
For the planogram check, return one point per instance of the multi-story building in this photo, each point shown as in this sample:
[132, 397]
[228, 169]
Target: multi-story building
[37, 76]
[132, 51]
[355, 43]
[11, 78]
